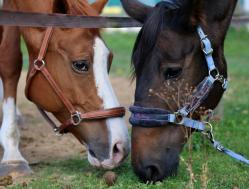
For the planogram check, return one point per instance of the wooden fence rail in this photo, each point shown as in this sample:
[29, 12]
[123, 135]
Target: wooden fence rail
[240, 20]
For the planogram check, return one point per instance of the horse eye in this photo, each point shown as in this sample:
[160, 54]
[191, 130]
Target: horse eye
[172, 73]
[80, 66]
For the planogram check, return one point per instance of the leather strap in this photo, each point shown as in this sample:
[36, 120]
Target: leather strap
[47, 118]
[45, 43]
[40, 65]
[95, 115]
[39, 60]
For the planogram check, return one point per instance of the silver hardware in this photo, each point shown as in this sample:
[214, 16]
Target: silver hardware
[216, 72]
[225, 84]
[76, 118]
[218, 146]
[57, 133]
[179, 118]
[218, 77]
[39, 64]
[209, 132]
[207, 53]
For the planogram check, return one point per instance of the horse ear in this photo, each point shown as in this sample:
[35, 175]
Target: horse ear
[196, 14]
[136, 9]
[74, 7]
[60, 6]
[99, 5]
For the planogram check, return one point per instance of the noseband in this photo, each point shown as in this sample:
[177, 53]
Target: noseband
[76, 117]
[155, 117]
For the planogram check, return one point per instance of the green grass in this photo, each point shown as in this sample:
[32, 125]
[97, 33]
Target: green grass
[232, 131]
[121, 45]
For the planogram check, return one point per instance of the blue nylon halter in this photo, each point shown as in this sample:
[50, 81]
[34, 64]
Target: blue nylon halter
[155, 117]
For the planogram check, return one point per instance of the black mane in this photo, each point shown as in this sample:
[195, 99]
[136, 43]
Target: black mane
[171, 14]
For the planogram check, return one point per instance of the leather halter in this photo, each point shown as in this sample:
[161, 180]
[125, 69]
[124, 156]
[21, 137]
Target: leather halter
[76, 117]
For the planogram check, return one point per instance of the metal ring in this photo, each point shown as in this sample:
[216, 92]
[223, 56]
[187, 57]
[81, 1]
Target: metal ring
[209, 132]
[39, 64]
[76, 118]
[179, 118]
[209, 125]
[217, 74]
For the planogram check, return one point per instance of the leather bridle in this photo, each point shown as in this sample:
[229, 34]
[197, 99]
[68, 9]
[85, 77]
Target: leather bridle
[76, 117]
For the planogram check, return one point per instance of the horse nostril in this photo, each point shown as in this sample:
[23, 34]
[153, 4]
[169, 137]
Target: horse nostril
[152, 173]
[91, 152]
[118, 152]
[115, 149]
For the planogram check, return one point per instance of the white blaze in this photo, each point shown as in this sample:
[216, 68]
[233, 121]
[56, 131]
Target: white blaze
[1, 89]
[116, 126]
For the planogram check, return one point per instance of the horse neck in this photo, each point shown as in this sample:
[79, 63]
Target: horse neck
[218, 15]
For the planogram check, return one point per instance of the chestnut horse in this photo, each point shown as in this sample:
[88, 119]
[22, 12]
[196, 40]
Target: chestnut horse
[77, 60]
[168, 60]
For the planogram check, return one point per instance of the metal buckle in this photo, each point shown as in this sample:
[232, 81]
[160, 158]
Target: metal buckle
[203, 47]
[209, 132]
[39, 64]
[179, 118]
[76, 118]
[217, 77]
[214, 73]
[225, 84]
[56, 131]
[207, 53]
[219, 147]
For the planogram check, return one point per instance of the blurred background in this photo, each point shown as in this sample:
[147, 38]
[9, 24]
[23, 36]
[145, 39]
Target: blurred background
[114, 6]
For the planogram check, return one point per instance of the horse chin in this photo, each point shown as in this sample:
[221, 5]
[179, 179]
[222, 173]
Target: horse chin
[93, 161]
[107, 164]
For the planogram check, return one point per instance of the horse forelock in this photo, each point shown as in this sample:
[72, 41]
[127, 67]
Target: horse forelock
[174, 14]
[76, 7]
[80, 7]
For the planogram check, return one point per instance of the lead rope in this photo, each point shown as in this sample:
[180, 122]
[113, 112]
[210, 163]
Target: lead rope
[208, 52]
[220, 148]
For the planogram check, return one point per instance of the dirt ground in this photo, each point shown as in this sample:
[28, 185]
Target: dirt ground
[39, 143]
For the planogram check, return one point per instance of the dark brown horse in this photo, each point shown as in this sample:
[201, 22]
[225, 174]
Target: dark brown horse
[168, 61]
[77, 60]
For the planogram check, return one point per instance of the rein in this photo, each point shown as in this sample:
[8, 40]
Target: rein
[146, 117]
[76, 117]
